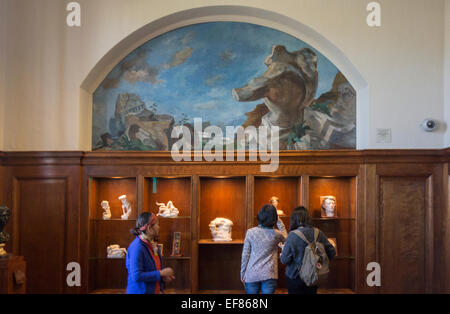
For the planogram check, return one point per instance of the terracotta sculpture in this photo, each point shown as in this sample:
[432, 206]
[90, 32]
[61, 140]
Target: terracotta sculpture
[328, 207]
[107, 210]
[168, 211]
[221, 229]
[275, 201]
[126, 207]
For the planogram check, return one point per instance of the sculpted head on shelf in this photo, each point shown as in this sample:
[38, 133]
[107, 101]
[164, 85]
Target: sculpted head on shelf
[328, 206]
[275, 201]
[221, 229]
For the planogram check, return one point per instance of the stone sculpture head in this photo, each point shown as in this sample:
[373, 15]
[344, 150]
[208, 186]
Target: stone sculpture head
[328, 206]
[221, 229]
[274, 201]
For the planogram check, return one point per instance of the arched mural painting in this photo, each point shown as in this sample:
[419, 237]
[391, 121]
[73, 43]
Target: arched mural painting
[227, 74]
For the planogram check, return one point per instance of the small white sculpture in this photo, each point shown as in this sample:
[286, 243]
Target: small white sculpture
[274, 201]
[167, 211]
[115, 251]
[328, 208]
[126, 207]
[221, 229]
[107, 210]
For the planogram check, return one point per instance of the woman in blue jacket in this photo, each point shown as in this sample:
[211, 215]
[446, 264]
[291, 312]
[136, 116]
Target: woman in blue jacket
[146, 274]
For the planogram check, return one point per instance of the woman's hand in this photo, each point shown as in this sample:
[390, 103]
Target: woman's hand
[167, 272]
[168, 279]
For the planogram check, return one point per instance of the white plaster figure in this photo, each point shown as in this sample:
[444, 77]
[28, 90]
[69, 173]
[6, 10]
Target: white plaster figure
[221, 229]
[107, 210]
[328, 209]
[126, 207]
[115, 251]
[167, 211]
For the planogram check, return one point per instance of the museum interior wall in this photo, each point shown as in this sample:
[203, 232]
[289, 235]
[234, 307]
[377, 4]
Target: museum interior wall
[48, 62]
[392, 203]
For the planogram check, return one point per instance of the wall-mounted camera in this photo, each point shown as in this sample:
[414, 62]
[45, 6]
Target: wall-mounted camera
[430, 125]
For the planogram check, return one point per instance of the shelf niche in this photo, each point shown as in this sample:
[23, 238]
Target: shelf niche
[103, 233]
[342, 227]
[179, 191]
[221, 197]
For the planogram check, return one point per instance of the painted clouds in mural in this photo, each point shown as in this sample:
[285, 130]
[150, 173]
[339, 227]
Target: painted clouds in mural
[228, 74]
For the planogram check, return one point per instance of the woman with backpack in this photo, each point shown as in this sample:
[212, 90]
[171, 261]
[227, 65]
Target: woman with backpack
[302, 279]
[259, 264]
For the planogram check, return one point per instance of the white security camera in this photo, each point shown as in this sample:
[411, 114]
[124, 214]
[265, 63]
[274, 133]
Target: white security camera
[430, 125]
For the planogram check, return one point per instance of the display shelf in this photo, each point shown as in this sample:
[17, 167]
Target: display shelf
[207, 241]
[332, 218]
[342, 227]
[165, 189]
[176, 257]
[114, 219]
[109, 189]
[287, 189]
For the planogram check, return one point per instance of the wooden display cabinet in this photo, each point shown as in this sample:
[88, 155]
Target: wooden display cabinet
[203, 265]
[179, 191]
[288, 190]
[219, 262]
[342, 227]
[103, 233]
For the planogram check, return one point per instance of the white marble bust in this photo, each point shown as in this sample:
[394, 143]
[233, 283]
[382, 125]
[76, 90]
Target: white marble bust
[221, 229]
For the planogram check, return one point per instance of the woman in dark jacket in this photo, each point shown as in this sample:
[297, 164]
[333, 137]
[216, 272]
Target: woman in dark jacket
[294, 248]
[146, 274]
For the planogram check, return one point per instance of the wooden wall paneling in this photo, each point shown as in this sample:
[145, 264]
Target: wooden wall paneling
[85, 187]
[140, 183]
[300, 191]
[194, 231]
[46, 216]
[361, 230]
[406, 228]
[446, 223]
[251, 210]
[439, 190]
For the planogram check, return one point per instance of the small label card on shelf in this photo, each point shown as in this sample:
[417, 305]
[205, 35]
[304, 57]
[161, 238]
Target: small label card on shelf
[176, 244]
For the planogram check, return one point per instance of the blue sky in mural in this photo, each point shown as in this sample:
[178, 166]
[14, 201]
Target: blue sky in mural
[192, 71]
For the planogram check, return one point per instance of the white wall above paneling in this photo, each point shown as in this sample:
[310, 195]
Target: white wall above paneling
[52, 69]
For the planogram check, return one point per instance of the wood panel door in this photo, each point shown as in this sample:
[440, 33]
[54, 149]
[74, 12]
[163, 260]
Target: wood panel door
[404, 212]
[41, 220]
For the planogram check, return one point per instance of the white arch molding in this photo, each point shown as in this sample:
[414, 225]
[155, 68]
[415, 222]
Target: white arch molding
[224, 14]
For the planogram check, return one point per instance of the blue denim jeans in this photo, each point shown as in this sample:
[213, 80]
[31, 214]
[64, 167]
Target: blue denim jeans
[265, 286]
